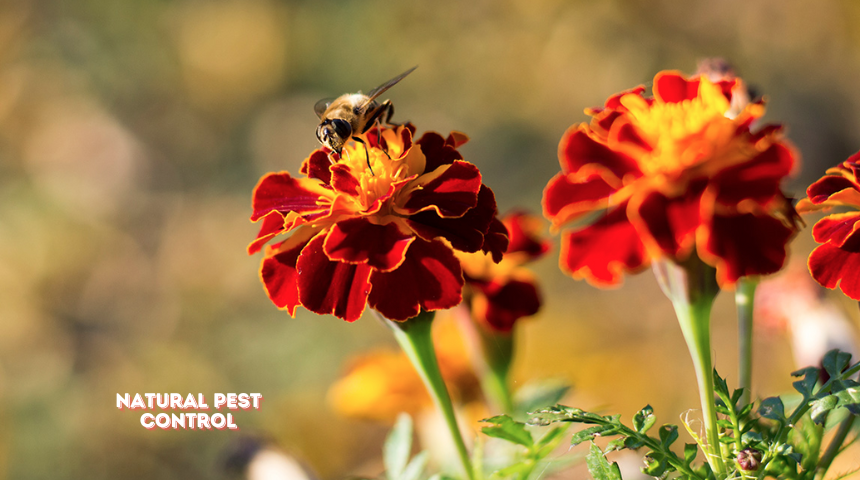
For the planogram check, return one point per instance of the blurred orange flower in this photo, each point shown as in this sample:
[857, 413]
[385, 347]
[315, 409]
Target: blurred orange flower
[671, 175]
[836, 262]
[502, 293]
[379, 227]
[381, 384]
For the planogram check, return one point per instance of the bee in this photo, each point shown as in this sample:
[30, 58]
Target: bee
[353, 114]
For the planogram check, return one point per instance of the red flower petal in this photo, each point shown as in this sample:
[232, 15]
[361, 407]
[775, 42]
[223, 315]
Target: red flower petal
[430, 278]
[836, 228]
[668, 224]
[455, 139]
[567, 197]
[744, 244]
[317, 166]
[438, 150]
[831, 266]
[508, 302]
[451, 194]
[280, 192]
[496, 240]
[356, 240]
[757, 179]
[325, 286]
[523, 235]
[577, 149]
[278, 271]
[343, 180]
[826, 186]
[273, 224]
[466, 233]
[672, 87]
[603, 251]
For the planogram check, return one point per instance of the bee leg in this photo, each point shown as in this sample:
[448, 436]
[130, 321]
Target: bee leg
[389, 107]
[366, 154]
[331, 159]
[384, 146]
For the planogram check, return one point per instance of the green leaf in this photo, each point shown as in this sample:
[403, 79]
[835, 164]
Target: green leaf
[589, 434]
[806, 385]
[655, 464]
[668, 434]
[557, 413]
[415, 469]
[507, 428]
[737, 395]
[644, 419]
[533, 396]
[599, 467]
[846, 397]
[772, 408]
[690, 451]
[398, 447]
[835, 362]
[720, 385]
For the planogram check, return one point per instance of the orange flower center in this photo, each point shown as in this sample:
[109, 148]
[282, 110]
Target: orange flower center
[687, 133]
[376, 170]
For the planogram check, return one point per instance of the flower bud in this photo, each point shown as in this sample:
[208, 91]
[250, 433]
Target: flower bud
[749, 459]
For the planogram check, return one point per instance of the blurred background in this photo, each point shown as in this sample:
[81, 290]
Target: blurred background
[133, 132]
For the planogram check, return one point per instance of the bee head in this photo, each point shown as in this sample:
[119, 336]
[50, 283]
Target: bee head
[333, 133]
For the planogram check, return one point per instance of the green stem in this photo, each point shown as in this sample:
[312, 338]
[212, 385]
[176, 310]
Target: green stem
[491, 354]
[416, 340]
[494, 379]
[744, 299]
[834, 447]
[692, 288]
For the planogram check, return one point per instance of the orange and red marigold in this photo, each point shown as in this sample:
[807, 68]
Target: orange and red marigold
[383, 237]
[837, 260]
[669, 176]
[502, 293]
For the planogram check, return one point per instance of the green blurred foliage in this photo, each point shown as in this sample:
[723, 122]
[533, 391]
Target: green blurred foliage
[133, 132]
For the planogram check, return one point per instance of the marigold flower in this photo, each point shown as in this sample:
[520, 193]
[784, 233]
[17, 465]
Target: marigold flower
[671, 175]
[502, 293]
[836, 262]
[378, 229]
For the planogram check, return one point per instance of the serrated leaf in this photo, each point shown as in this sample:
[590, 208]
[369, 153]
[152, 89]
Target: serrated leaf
[599, 466]
[772, 408]
[727, 440]
[846, 397]
[720, 384]
[751, 437]
[589, 434]
[534, 396]
[806, 385]
[690, 451]
[507, 428]
[557, 413]
[415, 469]
[819, 408]
[835, 362]
[633, 443]
[615, 445]
[723, 423]
[397, 447]
[668, 434]
[737, 395]
[644, 419]
[745, 411]
[655, 464]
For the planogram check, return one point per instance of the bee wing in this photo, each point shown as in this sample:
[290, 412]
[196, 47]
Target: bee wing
[321, 106]
[371, 96]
